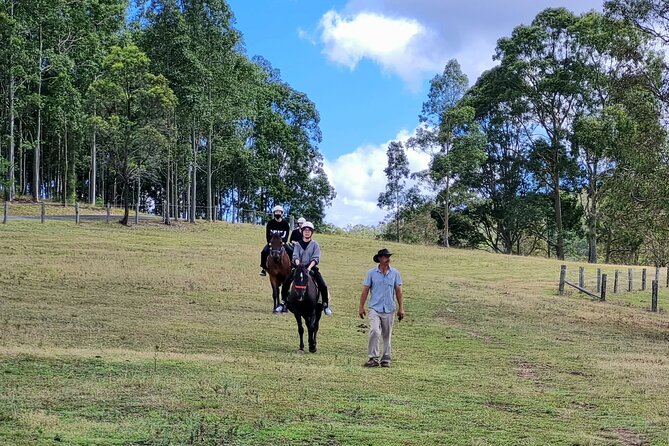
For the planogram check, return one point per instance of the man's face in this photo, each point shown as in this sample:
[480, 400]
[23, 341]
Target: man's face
[384, 260]
[307, 233]
[277, 215]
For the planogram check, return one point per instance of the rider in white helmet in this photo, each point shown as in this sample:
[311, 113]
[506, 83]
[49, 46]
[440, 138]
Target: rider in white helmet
[296, 235]
[308, 252]
[275, 226]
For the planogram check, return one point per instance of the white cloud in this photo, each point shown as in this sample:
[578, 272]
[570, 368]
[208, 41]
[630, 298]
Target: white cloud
[414, 39]
[393, 43]
[358, 178]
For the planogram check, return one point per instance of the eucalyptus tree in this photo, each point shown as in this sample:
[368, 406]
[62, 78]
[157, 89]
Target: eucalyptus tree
[397, 172]
[134, 116]
[433, 135]
[545, 62]
[284, 139]
[505, 210]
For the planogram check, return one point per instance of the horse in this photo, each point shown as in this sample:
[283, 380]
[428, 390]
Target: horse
[278, 268]
[303, 303]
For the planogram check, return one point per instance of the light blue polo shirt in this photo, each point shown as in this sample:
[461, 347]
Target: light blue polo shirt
[382, 289]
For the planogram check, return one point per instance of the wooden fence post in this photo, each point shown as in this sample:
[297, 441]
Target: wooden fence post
[603, 296]
[76, 212]
[108, 212]
[667, 276]
[630, 285]
[643, 279]
[615, 282]
[657, 275]
[42, 215]
[6, 211]
[563, 276]
[653, 302]
[599, 279]
[581, 277]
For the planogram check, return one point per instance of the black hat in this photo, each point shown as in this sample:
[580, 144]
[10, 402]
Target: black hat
[382, 252]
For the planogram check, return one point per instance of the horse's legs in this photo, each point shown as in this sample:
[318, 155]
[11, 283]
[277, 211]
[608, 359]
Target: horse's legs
[300, 330]
[312, 327]
[275, 294]
[317, 319]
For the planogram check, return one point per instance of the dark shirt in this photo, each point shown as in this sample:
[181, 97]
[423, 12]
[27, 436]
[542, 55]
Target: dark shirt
[277, 227]
[304, 244]
[296, 235]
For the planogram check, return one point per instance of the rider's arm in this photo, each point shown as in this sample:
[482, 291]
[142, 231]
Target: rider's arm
[268, 236]
[315, 255]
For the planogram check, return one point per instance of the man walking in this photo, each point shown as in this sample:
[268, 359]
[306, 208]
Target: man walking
[385, 284]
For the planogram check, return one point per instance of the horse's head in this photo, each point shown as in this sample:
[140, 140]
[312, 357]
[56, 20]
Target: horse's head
[276, 247]
[301, 280]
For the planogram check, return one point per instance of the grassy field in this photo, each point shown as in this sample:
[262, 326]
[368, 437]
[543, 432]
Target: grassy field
[160, 336]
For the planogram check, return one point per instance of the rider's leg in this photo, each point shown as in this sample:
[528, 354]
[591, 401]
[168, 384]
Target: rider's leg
[263, 259]
[289, 250]
[322, 286]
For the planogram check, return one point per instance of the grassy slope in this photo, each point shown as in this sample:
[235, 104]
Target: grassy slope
[110, 335]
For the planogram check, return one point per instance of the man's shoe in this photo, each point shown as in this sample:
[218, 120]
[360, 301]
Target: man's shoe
[385, 363]
[327, 311]
[262, 273]
[281, 308]
[371, 363]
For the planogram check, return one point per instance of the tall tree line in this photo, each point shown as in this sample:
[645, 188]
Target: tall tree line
[561, 149]
[163, 107]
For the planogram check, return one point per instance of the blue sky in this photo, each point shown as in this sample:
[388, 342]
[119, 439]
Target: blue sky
[366, 64]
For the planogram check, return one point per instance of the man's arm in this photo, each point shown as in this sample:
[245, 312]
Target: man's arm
[363, 299]
[400, 302]
[267, 233]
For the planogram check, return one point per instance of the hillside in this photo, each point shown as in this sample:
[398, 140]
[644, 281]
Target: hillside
[156, 336]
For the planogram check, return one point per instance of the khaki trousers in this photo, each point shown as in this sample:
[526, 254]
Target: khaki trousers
[380, 326]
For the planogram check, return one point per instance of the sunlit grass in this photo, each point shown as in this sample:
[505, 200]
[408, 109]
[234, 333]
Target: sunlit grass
[155, 335]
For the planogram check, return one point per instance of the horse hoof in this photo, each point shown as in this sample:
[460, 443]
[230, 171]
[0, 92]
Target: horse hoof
[300, 351]
[312, 350]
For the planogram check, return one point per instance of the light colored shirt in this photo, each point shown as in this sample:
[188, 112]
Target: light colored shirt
[382, 289]
[312, 252]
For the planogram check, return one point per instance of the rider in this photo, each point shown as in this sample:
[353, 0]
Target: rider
[296, 235]
[275, 226]
[308, 251]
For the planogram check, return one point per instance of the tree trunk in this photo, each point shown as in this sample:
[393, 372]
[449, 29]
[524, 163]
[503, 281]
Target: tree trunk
[557, 205]
[94, 166]
[447, 210]
[209, 174]
[38, 144]
[194, 172]
[11, 191]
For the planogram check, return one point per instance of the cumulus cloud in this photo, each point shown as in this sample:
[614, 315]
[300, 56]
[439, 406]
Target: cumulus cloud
[393, 43]
[415, 38]
[358, 178]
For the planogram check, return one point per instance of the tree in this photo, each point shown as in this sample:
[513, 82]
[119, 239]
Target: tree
[446, 89]
[134, 116]
[397, 172]
[545, 62]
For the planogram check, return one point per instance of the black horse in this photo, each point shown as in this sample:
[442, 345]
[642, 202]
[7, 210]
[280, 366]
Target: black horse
[303, 303]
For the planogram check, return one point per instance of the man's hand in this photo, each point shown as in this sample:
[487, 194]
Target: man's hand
[362, 312]
[400, 314]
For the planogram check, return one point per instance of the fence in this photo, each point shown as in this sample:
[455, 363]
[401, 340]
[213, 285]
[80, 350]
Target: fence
[623, 281]
[56, 211]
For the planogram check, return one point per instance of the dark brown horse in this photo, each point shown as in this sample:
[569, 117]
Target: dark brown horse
[303, 303]
[278, 267]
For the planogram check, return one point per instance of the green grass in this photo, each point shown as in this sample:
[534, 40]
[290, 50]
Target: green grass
[159, 336]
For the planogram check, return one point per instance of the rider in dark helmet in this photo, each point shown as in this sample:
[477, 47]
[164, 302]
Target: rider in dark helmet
[308, 252]
[275, 226]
